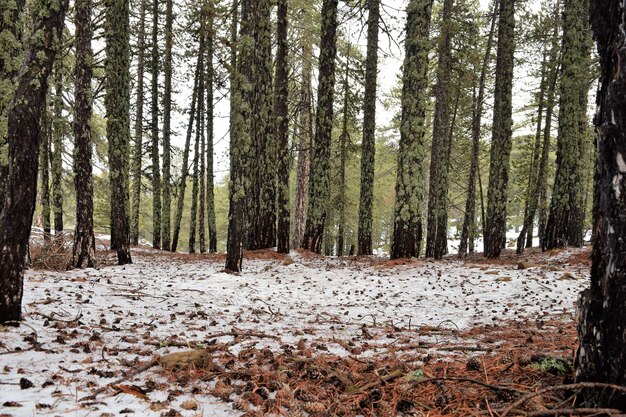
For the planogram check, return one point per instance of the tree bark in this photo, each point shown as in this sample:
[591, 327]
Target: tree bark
[343, 155]
[210, 198]
[495, 224]
[282, 129]
[407, 228]
[23, 136]
[56, 164]
[319, 180]
[84, 252]
[193, 215]
[166, 208]
[44, 166]
[601, 356]
[368, 147]
[156, 170]
[117, 104]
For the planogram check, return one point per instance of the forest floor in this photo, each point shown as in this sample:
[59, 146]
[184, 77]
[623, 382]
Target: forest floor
[293, 335]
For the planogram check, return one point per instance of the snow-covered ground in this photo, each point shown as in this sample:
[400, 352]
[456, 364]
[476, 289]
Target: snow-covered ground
[83, 329]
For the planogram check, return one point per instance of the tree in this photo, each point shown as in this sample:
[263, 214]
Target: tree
[437, 232]
[23, 137]
[167, 110]
[198, 153]
[281, 89]
[565, 220]
[56, 163]
[407, 227]
[210, 198]
[369, 131]
[319, 181]
[44, 166]
[138, 145]
[84, 251]
[117, 104]
[343, 139]
[240, 139]
[470, 205]
[154, 150]
[495, 223]
[600, 356]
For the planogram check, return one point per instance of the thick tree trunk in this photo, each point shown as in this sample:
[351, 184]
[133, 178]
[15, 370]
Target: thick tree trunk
[319, 181]
[469, 222]
[154, 152]
[368, 150]
[166, 209]
[23, 136]
[117, 104]
[495, 223]
[305, 140]
[407, 228]
[564, 227]
[180, 203]
[84, 252]
[601, 356]
[44, 167]
[138, 148]
[282, 129]
[437, 237]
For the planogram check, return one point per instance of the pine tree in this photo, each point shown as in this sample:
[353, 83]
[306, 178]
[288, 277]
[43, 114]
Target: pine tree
[202, 153]
[319, 181]
[240, 139]
[281, 89]
[467, 231]
[495, 223]
[407, 228]
[565, 220]
[343, 139]
[84, 252]
[305, 137]
[437, 232]
[138, 145]
[369, 131]
[23, 137]
[154, 150]
[180, 203]
[56, 164]
[167, 109]
[117, 104]
[44, 166]
[210, 198]
[600, 356]
[193, 215]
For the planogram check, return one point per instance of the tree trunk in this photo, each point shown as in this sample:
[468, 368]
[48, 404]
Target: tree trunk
[156, 171]
[436, 239]
[319, 181]
[210, 198]
[202, 154]
[601, 356]
[240, 140]
[117, 104]
[469, 222]
[564, 226]
[368, 151]
[305, 140]
[407, 228]
[23, 136]
[180, 203]
[166, 209]
[193, 215]
[495, 223]
[56, 164]
[84, 252]
[342, 164]
[282, 129]
[138, 150]
[44, 166]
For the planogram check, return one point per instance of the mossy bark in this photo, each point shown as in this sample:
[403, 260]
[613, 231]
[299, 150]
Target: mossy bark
[436, 236]
[44, 167]
[495, 223]
[368, 146]
[117, 104]
[407, 228]
[154, 150]
[84, 252]
[23, 137]
[564, 226]
[56, 164]
[343, 155]
[601, 356]
[319, 180]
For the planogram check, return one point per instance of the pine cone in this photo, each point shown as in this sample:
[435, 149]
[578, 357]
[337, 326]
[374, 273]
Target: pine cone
[474, 364]
[507, 358]
[313, 407]
[241, 404]
[296, 412]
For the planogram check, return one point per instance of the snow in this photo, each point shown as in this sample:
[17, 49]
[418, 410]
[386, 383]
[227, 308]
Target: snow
[129, 314]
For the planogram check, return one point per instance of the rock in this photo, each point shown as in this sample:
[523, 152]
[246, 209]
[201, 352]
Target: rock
[199, 359]
[25, 383]
[288, 261]
[526, 265]
[504, 279]
[491, 272]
